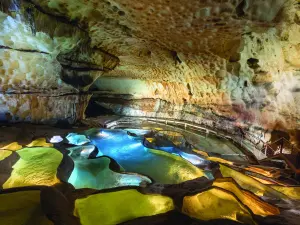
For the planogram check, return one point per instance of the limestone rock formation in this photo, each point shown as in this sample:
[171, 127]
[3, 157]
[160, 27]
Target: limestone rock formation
[234, 60]
[46, 61]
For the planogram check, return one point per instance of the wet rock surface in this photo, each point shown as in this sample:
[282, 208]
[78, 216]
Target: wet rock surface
[63, 203]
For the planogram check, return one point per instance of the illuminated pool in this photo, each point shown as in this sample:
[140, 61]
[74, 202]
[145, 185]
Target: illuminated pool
[163, 166]
[115, 171]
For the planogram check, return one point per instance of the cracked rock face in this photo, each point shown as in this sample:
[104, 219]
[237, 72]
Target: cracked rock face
[45, 62]
[223, 60]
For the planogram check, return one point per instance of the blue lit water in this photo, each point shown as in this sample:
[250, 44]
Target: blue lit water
[131, 154]
[95, 173]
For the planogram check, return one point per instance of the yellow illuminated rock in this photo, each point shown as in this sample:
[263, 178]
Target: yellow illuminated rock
[292, 192]
[180, 167]
[265, 172]
[249, 183]
[200, 152]
[12, 146]
[215, 159]
[120, 206]
[150, 139]
[22, 207]
[216, 203]
[219, 160]
[174, 136]
[4, 154]
[36, 166]
[256, 205]
[40, 142]
[262, 180]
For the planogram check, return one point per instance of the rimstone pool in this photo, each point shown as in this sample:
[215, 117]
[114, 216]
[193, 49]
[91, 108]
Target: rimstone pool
[163, 165]
[141, 172]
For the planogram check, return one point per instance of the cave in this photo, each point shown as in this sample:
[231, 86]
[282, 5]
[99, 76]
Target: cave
[149, 112]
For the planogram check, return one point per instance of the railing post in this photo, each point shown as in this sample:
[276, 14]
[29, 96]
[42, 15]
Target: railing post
[185, 126]
[266, 147]
[281, 145]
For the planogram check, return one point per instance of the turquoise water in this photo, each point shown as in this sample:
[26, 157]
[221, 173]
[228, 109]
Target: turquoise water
[96, 174]
[130, 153]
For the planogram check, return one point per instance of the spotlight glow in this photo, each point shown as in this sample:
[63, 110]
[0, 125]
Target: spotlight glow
[103, 134]
[87, 150]
[195, 160]
[56, 139]
[135, 145]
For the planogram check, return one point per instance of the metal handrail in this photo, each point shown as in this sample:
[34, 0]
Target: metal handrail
[253, 139]
[186, 125]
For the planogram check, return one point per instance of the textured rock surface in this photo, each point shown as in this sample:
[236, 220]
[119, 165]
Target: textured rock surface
[37, 166]
[208, 208]
[120, 206]
[41, 108]
[154, 203]
[45, 63]
[235, 60]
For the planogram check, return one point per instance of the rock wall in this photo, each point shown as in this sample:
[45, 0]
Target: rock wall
[45, 64]
[234, 61]
[252, 79]
[37, 108]
[256, 85]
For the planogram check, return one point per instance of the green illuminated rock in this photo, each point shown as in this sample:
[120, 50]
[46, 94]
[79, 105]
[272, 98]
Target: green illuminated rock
[120, 206]
[179, 170]
[36, 166]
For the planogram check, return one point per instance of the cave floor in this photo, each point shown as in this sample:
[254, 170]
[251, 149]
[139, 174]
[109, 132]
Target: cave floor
[134, 173]
[25, 133]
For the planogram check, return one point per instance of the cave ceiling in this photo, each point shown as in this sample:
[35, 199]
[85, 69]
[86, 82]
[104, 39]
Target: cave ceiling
[236, 59]
[189, 27]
